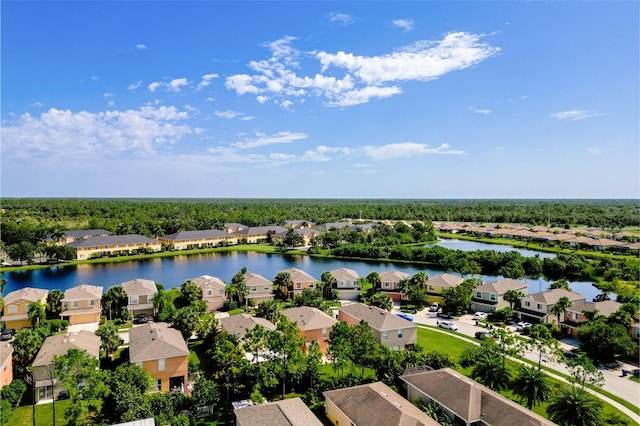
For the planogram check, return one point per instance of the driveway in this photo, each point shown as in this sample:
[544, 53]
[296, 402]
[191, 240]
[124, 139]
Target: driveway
[92, 326]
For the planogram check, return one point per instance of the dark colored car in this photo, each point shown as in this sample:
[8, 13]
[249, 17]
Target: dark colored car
[7, 334]
[403, 315]
[483, 335]
[142, 319]
[444, 316]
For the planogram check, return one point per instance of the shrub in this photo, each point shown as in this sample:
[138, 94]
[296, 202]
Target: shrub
[230, 305]
[13, 393]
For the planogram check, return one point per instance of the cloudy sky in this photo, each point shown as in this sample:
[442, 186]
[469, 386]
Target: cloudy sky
[320, 99]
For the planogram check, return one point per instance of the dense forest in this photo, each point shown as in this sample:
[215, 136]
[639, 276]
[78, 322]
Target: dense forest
[30, 219]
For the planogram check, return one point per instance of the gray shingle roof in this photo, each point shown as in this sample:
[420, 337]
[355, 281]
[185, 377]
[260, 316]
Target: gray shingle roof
[445, 280]
[550, 297]
[239, 324]
[377, 318]
[298, 275]
[60, 344]
[309, 318]
[139, 287]
[501, 286]
[113, 240]
[393, 276]
[82, 292]
[188, 235]
[344, 273]
[207, 281]
[252, 279]
[155, 341]
[288, 412]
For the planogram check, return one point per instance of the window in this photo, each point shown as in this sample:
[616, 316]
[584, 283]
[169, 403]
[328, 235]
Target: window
[254, 289]
[431, 288]
[385, 335]
[92, 302]
[527, 303]
[387, 285]
[493, 297]
[479, 294]
[399, 333]
[139, 364]
[134, 300]
[539, 306]
[74, 304]
[576, 316]
[266, 288]
[298, 285]
[310, 285]
[161, 364]
[209, 292]
[324, 332]
[13, 309]
[157, 384]
[220, 292]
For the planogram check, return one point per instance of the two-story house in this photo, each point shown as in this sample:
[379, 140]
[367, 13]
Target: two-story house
[15, 313]
[390, 284]
[314, 325]
[160, 350]
[300, 281]
[258, 234]
[574, 315]
[113, 245]
[346, 283]
[287, 412]
[238, 325]
[388, 329]
[536, 307]
[490, 297]
[260, 288]
[46, 385]
[212, 291]
[73, 235]
[185, 240]
[6, 364]
[437, 284]
[81, 304]
[140, 293]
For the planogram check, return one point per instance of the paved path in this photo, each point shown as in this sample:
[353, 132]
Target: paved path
[617, 385]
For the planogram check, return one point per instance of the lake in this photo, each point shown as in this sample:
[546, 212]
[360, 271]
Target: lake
[173, 271]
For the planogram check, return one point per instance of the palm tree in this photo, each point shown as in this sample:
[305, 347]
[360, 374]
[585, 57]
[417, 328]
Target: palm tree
[513, 297]
[36, 313]
[531, 385]
[560, 306]
[573, 406]
[283, 281]
[374, 279]
[490, 371]
[329, 283]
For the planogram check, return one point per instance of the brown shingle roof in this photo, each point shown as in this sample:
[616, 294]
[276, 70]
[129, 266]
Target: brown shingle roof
[239, 324]
[501, 286]
[377, 318]
[393, 276]
[155, 341]
[60, 344]
[29, 294]
[550, 297]
[207, 281]
[309, 318]
[252, 279]
[376, 404]
[139, 287]
[344, 273]
[288, 412]
[82, 292]
[113, 240]
[445, 280]
[298, 275]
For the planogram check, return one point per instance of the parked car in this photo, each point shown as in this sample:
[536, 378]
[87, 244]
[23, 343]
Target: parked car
[142, 319]
[444, 315]
[434, 307]
[522, 324]
[7, 334]
[403, 315]
[479, 316]
[483, 335]
[448, 325]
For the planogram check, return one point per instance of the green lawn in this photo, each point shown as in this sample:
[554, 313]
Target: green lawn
[22, 416]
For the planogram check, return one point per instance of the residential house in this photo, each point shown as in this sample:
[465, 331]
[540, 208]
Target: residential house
[287, 412]
[140, 293]
[15, 313]
[372, 404]
[299, 224]
[574, 315]
[206, 238]
[314, 325]
[258, 234]
[70, 236]
[81, 304]
[114, 245]
[346, 283]
[437, 284]
[390, 283]
[300, 281]
[6, 364]
[388, 329]
[212, 291]
[330, 225]
[160, 350]
[239, 324]
[260, 288]
[490, 297]
[46, 385]
[231, 227]
[466, 401]
[536, 307]
[306, 234]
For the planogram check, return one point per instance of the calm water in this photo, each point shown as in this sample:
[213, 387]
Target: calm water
[465, 245]
[173, 271]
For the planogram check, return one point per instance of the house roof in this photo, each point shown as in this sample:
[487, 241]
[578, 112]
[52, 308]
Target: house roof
[604, 308]
[254, 279]
[501, 286]
[338, 225]
[297, 222]
[60, 344]
[229, 225]
[309, 318]
[113, 240]
[82, 292]
[200, 234]
[155, 341]
[376, 404]
[344, 273]
[445, 280]
[239, 324]
[550, 297]
[393, 276]
[472, 401]
[6, 350]
[288, 412]
[207, 281]
[139, 287]
[298, 275]
[261, 230]
[377, 318]
[84, 233]
[28, 294]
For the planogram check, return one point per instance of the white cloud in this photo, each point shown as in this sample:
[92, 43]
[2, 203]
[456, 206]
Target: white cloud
[36, 104]
[405, 24]
[576, 114]
[66, 134]
[211, 99]
[347, 79]
[206, 80]
[227, 114]
[263, 139]
[341, 18]
[406, 150]
[247, 118]
[108, 95]
[95, 78]
[286, 104]
[176, 84]
[479, 111]
[134, 86]
[141, 46]
[154, 86]
[322, 153]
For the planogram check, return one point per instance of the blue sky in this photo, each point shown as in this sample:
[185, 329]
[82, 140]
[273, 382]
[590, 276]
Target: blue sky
[320, 99]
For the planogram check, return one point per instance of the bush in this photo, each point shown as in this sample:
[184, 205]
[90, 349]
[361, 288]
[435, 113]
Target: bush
[230, 305]
[58, 325]
[13, 393]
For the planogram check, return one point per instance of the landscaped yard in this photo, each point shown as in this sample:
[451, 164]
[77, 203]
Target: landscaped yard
[22, 416]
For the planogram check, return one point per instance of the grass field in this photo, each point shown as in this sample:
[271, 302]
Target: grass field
[22, 416]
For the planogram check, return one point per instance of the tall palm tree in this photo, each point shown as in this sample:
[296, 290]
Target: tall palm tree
[490, 371]
[513, 297]
[573, 406]
[531, 386]
[560, 306]
[36, 313]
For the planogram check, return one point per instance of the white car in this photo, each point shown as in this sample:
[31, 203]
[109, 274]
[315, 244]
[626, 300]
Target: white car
[448, 325]
[478, 316]
[522, 324]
